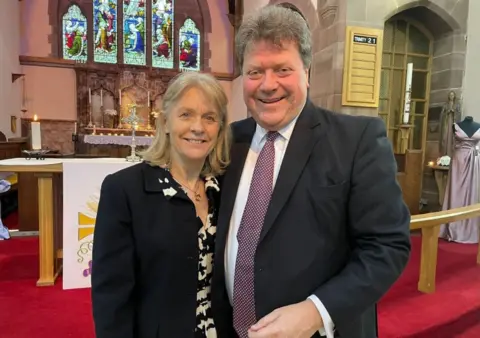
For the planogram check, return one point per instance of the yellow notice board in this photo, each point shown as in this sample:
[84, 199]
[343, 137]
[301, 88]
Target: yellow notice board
[362, 67]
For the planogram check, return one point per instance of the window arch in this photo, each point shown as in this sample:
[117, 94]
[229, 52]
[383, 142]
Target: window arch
[132, 32]
[189, 46]
[74, 35]
[105, 31]
[162, 34]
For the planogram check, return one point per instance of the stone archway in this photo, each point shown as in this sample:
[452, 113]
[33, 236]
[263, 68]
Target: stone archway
[446, 28]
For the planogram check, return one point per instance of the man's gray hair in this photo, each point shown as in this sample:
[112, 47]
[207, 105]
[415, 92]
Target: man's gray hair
[274, 24]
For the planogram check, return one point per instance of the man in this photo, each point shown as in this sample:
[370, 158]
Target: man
[312, 228]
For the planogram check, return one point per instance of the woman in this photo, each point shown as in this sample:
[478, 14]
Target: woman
[155, 227]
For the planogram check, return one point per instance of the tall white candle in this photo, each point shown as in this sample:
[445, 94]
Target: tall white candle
[408, 93]
[120, 97]
[101, 97]
[75, 131]
[148, 99]
[36, 138]
[89, 96]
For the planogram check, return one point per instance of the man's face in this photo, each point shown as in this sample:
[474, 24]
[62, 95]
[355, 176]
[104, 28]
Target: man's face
[275, 83]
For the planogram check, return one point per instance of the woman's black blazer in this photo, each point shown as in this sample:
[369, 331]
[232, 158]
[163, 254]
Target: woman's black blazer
[145, 256]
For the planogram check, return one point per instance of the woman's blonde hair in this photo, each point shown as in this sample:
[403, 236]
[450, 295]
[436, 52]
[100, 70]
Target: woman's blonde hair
[159, 151]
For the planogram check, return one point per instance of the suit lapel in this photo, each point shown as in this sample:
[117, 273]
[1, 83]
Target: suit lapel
[300, 146]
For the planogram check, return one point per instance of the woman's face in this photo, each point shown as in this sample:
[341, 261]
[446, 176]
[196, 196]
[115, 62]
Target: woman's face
[193, 125]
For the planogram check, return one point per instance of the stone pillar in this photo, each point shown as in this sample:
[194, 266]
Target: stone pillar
[326, 74]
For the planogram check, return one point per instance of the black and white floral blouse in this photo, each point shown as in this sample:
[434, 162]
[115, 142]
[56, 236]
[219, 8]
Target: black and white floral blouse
[205, 327]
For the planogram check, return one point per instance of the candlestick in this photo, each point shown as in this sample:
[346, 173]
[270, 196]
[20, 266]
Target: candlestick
[408, 93]
[36, 134]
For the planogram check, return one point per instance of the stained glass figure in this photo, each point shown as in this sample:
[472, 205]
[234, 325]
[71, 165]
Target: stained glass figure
[189, 46]
[105, 31]
[162, 33]
[75, 35]
[134, 15]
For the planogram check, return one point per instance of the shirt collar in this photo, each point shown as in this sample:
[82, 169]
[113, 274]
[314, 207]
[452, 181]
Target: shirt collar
[285, 132]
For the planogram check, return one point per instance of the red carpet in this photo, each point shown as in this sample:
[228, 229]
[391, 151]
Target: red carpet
[453, 311]
[28, 311]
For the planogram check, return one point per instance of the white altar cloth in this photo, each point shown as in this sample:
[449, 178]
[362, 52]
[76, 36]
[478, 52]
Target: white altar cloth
[82, 182]
[49, 161]
[140, 141]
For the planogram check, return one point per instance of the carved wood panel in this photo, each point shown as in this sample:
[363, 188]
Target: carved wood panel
[135, 84]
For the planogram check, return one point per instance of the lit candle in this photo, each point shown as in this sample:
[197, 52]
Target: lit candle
[431, 163]
[36, 138]
[408, 93]
[89, 96]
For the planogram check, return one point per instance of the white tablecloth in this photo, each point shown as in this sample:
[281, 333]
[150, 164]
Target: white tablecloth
[118, 140]
[49, 161]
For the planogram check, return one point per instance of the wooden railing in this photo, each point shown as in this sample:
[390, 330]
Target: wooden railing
[430, 226]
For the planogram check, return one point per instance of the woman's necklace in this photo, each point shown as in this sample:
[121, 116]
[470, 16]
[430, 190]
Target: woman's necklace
[195, 192]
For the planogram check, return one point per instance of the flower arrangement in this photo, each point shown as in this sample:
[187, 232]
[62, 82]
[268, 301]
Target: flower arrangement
[110, 112]
[444, 161]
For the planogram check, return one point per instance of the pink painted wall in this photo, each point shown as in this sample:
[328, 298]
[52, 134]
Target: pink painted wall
[10, 93]
[51, 92]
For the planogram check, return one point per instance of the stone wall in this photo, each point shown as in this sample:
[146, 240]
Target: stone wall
[56, 134]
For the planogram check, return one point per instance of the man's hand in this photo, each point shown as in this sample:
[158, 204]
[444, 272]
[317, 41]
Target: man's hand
[300, 320]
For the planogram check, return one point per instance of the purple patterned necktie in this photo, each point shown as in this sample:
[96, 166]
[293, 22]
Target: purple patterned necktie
[248, 235]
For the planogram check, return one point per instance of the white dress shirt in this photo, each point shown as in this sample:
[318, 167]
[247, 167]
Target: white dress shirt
[231, 249]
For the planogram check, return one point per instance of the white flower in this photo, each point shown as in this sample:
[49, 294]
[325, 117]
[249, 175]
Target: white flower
[444, 161]
[169, 192]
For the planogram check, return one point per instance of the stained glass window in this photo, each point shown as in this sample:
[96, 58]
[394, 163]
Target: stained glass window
[162, 33]
[189, 51]
[74, 35]
[134, 15]
[105, 31]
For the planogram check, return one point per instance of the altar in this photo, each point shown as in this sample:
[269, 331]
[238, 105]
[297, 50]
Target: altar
[111, 144]
[68, 195]
[114, 105]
